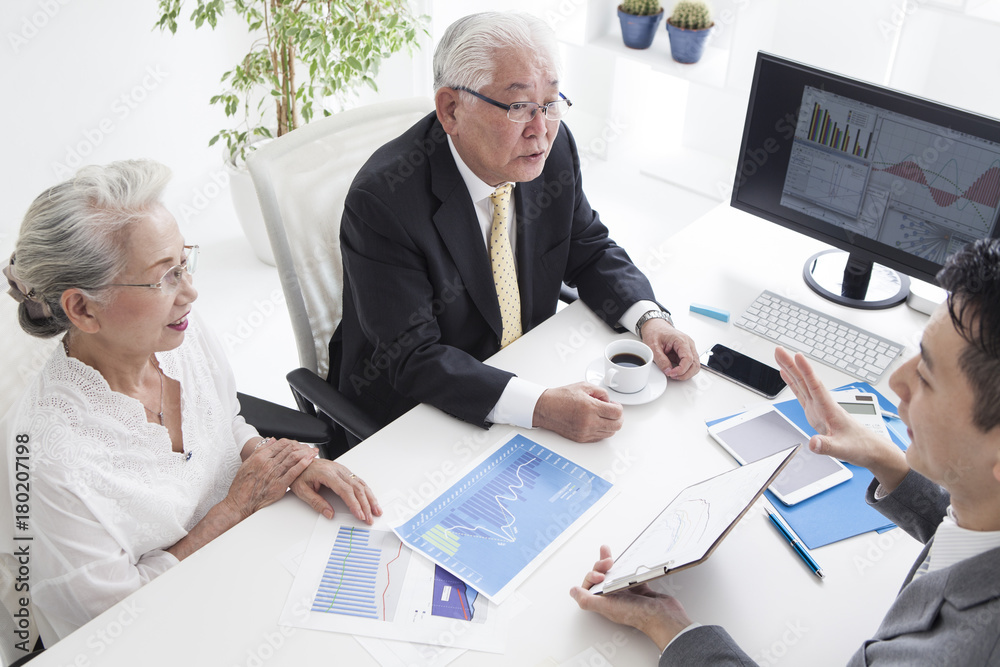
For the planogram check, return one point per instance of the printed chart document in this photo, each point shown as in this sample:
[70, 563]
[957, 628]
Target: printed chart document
[363, 580]
[497, 523]
[689, 529]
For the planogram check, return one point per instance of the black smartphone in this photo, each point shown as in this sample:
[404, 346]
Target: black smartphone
[745, 371]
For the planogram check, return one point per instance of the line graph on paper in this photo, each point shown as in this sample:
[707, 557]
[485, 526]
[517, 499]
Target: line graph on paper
[491, 524]
[692, 523]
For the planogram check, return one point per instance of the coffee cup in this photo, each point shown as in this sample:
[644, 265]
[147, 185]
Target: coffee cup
[627, 364]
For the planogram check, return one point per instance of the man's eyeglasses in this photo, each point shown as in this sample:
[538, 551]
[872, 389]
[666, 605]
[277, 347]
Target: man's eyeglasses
[171, 280]
[524, 112]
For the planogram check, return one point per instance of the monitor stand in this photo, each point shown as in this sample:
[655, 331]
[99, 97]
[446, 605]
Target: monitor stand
[850, 281]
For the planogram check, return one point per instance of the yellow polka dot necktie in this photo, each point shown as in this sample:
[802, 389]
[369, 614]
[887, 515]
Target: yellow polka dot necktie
[504, 271]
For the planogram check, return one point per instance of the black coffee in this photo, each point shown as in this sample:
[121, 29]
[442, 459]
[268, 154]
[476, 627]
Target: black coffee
[628, 360]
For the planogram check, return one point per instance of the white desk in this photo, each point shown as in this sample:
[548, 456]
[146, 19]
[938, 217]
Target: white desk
[220, 607]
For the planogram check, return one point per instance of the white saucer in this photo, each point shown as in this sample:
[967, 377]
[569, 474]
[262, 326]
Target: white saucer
[653, 390]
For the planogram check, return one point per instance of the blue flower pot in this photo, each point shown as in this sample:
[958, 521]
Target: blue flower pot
[638, 31]
[687, 46]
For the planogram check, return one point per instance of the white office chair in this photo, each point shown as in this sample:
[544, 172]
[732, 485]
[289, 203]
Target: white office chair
[302, 180]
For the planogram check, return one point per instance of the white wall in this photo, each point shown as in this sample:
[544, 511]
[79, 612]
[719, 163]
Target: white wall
[95, 82]
[91, 82]
[84, 81]
[88, 81]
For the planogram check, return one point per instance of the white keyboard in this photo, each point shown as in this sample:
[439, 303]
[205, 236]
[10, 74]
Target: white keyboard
[826, 339]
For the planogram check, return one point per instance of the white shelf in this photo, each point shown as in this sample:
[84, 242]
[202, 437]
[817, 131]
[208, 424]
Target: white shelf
[710, 70]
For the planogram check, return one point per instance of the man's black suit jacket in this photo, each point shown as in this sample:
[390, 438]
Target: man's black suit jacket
[420, 306]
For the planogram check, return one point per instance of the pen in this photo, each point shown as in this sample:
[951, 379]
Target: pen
[889, 415]
[799, 549]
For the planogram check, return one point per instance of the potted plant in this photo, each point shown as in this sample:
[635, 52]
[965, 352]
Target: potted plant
[639, 19]
[310, 57]
[689, 26]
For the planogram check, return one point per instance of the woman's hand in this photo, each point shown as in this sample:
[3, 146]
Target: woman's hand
[266, 475]
[335, 476]
[263, 478]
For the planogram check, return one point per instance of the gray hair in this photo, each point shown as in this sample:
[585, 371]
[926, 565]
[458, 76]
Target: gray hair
[75, 235]
[466, 54]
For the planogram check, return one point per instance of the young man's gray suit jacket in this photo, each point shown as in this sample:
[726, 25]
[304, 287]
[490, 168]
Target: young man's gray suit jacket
[950, 617]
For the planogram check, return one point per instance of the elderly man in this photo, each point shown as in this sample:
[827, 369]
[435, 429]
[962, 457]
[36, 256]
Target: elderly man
[458, 234]
[945, 491]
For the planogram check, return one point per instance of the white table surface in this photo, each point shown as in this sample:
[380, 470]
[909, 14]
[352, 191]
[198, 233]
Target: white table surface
[220, 606]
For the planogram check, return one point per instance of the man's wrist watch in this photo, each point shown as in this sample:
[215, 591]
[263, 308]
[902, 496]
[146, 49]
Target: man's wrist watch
[651, 315]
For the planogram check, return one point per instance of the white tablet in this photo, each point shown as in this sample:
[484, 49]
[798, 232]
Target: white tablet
[689, 529]
[763, 431]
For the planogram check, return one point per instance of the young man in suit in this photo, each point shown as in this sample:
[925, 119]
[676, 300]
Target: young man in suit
[944, 491]
[444, 265]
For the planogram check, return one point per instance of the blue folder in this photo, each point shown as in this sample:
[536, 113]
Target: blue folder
[840, 512]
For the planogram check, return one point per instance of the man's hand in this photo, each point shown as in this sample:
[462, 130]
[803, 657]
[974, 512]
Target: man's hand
[659, 616]
[840, 436]
[580, 412]
[673, 351]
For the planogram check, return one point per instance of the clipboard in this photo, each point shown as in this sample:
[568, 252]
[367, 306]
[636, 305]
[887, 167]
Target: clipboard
[694, 524]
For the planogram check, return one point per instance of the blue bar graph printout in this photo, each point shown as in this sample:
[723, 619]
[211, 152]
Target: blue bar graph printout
[494, 521]
[357, 580]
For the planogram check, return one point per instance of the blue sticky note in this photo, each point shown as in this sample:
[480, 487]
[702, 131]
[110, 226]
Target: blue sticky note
[710, 311]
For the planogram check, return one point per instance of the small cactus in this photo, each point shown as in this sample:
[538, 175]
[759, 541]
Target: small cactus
[641, 7]
[691, 16]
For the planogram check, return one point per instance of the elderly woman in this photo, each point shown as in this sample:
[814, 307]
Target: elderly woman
[138, 454]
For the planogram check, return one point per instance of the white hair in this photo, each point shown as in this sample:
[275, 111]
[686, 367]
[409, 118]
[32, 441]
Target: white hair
[74, 235]
[466, 55]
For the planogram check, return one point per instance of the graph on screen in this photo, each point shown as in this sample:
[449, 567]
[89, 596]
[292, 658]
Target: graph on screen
[961, 183]
[910, 184]
[491, 524]
[836, 123]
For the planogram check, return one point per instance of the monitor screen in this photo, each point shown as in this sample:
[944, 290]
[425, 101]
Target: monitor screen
[888, 177]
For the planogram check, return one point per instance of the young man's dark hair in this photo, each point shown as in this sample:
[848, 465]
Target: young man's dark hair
[972, 276]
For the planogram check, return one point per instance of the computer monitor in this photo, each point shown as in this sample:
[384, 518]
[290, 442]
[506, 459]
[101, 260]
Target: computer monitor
[895, 181]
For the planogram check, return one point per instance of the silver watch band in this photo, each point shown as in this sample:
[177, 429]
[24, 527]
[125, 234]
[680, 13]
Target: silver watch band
[650, 315]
